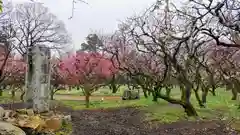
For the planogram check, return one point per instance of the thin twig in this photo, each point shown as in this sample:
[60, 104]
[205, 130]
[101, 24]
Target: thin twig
[73, 6]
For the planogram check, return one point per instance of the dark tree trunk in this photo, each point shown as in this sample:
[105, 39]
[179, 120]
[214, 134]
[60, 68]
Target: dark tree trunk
[87, 100]
[214, 91]
[52, 94]
[187, 93]
[200, 103]
[113, 85]
[189, 109]
[13, 93]
[155, 99]
[155, 96]
[22, 96]
[186, 104]
[212, 82]
[234, 94]
[156, 93]
[204, 95]
[145, 94]
[114, 88]
[4, 86]
[1, 92]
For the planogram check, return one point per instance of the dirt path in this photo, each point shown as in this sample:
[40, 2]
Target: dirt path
[130, 121]
[75, 97]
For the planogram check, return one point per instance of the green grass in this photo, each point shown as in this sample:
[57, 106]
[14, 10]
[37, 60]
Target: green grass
[6, 97]
[218, 107]
[102, 91]
[107, 104]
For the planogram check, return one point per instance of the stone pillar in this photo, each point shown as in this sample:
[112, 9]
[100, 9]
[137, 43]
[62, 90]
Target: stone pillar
[40, 79]
[46, 69]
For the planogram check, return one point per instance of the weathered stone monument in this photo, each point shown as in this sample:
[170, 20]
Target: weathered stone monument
[38, 78]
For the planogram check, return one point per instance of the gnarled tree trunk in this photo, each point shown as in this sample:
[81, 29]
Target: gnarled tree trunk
[185, 98]
[189, 109]
[87, 99]
[200, 103]
[145, 93]
[187, 106]
[52, 94]
[204, 95]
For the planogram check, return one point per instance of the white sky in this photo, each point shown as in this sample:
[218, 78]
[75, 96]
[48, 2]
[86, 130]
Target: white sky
[100, 15]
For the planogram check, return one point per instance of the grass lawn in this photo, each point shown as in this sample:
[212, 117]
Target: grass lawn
[6, 97]
[102, 91]
[220, 106]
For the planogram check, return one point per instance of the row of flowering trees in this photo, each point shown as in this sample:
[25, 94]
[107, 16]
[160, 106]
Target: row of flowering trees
[86, 70]
[92, 70]
[195, 47]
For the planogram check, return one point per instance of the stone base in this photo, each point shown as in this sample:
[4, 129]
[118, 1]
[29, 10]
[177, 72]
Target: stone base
[27, 120]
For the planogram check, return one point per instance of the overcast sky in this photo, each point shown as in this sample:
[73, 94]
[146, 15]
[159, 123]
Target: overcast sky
[100, 15]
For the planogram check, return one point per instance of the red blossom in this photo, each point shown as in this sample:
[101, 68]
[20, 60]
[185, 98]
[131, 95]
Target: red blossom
[86, 69]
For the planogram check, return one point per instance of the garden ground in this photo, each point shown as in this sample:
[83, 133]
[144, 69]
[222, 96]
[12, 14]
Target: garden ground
[143, 116]
[130, 121]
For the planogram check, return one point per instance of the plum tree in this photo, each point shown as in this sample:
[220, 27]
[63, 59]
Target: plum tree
[14, 73]
[178, 39]
[57, 77]
[87, 70]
